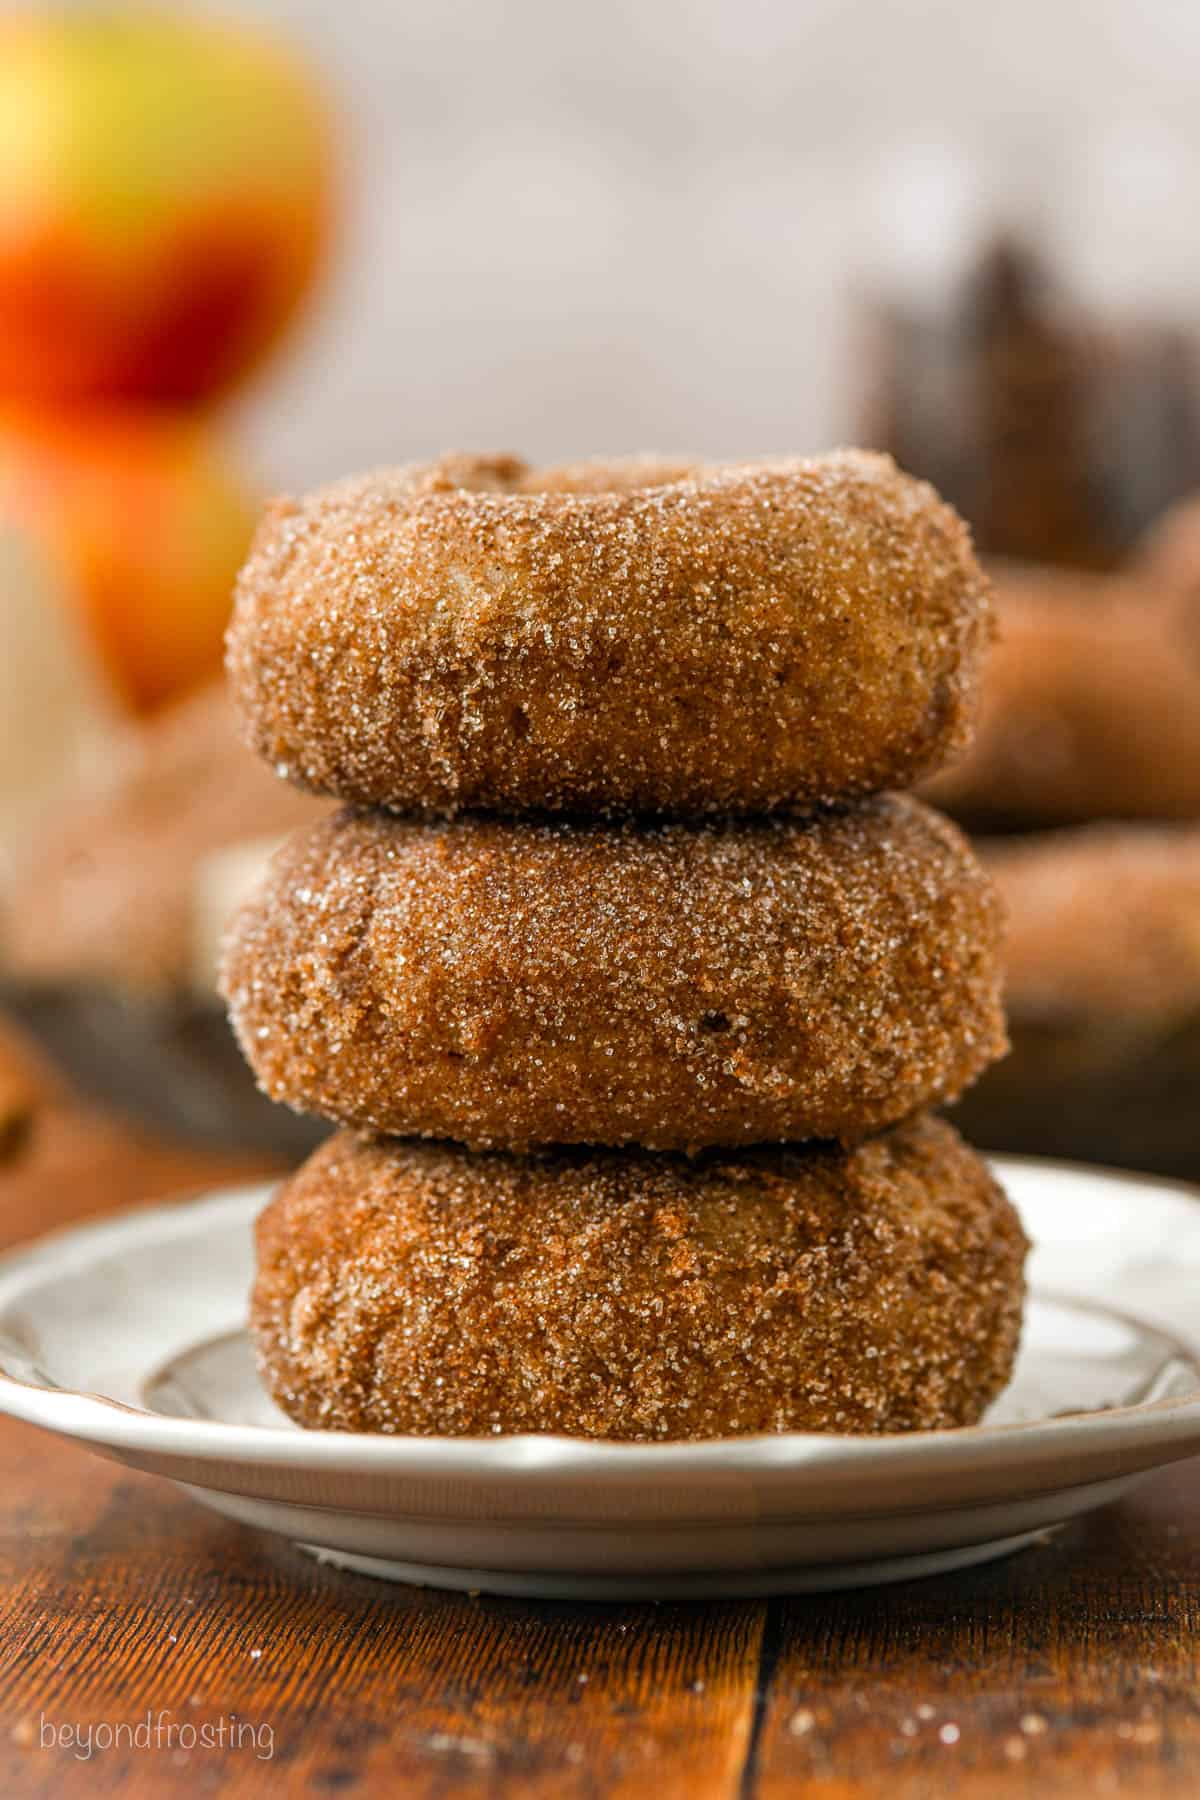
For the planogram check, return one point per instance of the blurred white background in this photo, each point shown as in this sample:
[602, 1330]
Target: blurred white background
[577, 228]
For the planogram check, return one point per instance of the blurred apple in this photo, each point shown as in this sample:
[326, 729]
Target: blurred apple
[164, 202]
[139, 522]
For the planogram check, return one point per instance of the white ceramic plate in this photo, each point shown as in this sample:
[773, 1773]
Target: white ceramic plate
[127, 1335]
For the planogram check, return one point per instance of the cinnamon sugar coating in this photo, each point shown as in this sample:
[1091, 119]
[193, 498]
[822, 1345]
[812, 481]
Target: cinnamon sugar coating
[637, 637]
[431, 1290]
[675, 986]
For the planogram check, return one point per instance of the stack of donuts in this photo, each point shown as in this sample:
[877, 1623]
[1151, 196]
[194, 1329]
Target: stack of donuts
[627, 978]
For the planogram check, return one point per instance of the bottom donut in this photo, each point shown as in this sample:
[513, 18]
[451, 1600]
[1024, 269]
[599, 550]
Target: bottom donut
[422, 1288]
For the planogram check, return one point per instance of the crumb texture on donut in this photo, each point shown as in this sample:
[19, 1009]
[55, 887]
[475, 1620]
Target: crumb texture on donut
[422, 1289]
[673, 986]
[635, 637]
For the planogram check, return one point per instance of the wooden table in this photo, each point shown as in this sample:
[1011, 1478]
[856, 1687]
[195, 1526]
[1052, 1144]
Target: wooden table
[1071, 1669]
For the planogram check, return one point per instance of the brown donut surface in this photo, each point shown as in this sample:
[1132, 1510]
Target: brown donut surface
[431, 1290]
[634, 637]
[675, 986]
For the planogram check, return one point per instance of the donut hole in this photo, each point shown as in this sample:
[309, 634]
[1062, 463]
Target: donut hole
[622, 475]
[713, 1023]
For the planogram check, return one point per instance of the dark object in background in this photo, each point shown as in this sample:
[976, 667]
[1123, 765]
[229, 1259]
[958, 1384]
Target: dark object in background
[1058, 440]
[169, 1063]
[1122, 1105]
[1103, 997]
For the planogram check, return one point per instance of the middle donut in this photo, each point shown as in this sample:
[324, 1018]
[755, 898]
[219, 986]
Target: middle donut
[675, 986]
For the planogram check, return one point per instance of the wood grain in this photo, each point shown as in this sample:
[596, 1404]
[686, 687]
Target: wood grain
[1070, 1669]
[120, 1595]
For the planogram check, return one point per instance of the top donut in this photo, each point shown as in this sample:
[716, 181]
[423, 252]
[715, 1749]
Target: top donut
[630, 637]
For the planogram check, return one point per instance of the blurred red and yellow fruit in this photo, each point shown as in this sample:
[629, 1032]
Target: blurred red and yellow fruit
[139, 521]
[165, 193]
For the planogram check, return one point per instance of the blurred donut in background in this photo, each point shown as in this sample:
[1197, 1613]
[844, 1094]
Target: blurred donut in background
[1169, 558]
[109, 891]
[1103, 998]
[1088, 756]
[1104, 926]
[1090, 707]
